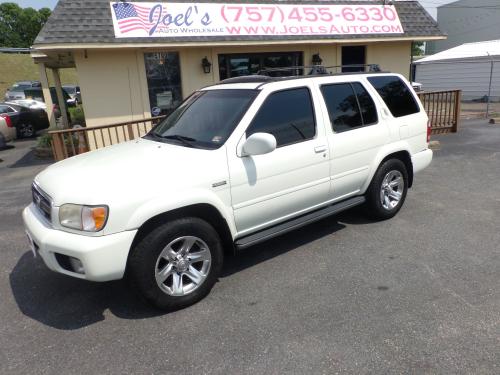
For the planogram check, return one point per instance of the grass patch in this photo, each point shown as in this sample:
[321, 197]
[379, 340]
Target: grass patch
[20, 67]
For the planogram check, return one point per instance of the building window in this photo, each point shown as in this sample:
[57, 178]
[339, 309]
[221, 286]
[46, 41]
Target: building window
[235, 65]
[164, 81]
[353, 55]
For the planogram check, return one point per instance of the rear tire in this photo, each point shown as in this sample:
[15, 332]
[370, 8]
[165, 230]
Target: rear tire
[25, 131]
[387, 192]
[176, 264]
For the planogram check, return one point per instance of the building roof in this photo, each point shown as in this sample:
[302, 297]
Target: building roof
[86, 22]
[468, 51]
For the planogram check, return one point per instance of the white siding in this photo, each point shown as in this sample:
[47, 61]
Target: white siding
[471, 77]
[466, 21]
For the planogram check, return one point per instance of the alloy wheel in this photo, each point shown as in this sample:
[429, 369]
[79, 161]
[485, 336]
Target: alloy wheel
[26, 130]
[391, 190]
[183, 266]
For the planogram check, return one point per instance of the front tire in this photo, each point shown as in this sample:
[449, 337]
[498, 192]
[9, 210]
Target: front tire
[388, 189]
[176, 264]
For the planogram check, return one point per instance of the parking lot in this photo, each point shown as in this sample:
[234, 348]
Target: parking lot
[416, 294]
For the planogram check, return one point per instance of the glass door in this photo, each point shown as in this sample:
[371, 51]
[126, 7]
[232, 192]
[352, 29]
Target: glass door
[163, 74]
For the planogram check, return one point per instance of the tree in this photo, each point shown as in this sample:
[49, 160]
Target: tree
[19, 27]
[417, 48]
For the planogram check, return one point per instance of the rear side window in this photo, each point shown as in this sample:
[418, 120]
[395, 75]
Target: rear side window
[288, 115]
[349, 105]
[396, 94]
[6, 109]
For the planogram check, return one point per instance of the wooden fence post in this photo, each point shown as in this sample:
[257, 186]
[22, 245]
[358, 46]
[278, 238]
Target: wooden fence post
[458, 111]
[58, 146]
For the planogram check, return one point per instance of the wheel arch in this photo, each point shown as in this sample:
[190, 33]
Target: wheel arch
[203, 211]
[405, 157]
[400, 153]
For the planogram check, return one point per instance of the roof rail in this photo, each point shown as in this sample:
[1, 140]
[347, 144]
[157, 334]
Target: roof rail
[248, 79]
[322, 70]
[265, 75]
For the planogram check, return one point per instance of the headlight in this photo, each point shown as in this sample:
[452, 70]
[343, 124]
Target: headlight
[86, 218]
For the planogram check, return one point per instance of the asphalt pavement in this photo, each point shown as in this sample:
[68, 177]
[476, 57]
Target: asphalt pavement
[416, 294]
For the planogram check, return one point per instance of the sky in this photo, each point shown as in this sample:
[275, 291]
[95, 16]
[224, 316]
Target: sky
[430, 5]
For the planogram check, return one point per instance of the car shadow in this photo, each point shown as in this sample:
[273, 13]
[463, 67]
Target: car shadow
[29, 159]
[67, 303]
[355, 216]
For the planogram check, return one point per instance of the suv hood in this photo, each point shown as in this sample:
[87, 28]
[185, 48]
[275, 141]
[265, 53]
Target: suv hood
[127, 171]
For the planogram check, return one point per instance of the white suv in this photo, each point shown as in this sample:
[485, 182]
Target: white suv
[236, 164]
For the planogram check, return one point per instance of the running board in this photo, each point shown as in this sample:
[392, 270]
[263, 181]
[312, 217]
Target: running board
[288, 226]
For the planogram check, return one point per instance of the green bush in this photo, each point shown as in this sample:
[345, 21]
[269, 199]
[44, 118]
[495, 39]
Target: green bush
[77, 117]
[44, 141]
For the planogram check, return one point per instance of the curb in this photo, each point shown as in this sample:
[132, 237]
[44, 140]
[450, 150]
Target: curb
[435, 145]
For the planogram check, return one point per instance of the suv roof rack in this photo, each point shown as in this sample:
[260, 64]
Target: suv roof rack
[256, 78]
[266, 75]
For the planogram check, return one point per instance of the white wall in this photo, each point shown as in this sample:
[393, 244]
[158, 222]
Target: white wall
[472, 77]
[113, 85]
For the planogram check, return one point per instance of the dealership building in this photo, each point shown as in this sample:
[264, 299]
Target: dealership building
[138, 59]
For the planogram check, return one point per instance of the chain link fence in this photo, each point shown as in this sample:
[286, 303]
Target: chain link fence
[478, 79]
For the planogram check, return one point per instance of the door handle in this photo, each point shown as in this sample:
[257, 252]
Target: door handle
[320, 149]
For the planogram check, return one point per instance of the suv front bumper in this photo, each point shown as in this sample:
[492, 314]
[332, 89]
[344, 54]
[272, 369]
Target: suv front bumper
[103, 258]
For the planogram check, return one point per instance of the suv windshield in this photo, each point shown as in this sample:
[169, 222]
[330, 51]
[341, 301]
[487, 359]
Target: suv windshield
[69, 89]
[205, 120]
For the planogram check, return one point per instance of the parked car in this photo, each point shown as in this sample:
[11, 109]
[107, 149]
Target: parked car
[16, 91]
[235, 165]
[418, 87]
[74, 94]
[27, 121]
[37, 94]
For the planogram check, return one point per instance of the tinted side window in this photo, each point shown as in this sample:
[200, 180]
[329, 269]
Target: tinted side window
[288, 115]
[342, 106]
[396, 95]
[368, 109]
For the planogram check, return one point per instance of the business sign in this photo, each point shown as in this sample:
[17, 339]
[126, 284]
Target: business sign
[153, 20]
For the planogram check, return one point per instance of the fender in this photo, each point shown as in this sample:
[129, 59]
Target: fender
[386, 150]
[156, 206]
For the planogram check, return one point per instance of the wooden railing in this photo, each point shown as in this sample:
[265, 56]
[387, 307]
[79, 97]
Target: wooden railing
[443, 109]
[71, 142]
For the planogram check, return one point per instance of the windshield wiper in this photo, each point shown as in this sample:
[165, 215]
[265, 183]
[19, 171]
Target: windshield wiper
[187, 141]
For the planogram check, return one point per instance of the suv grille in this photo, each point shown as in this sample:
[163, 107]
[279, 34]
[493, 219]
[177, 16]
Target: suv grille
[42, 202]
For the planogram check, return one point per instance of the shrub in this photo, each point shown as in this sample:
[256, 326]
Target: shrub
[44, 141]
[77, 117]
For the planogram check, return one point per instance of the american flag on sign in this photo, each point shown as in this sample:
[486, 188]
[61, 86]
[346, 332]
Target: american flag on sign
[131, 17]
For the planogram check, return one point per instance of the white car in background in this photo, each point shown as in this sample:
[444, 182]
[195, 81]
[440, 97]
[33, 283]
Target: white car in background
[236, 164]
[7, 128]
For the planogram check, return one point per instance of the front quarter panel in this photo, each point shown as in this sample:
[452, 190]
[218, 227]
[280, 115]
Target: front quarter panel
[219, 198]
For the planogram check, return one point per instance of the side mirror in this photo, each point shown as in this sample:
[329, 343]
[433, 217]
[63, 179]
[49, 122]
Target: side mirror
[259, 144]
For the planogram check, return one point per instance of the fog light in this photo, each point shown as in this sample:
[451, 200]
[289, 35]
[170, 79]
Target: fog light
[76, 265]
